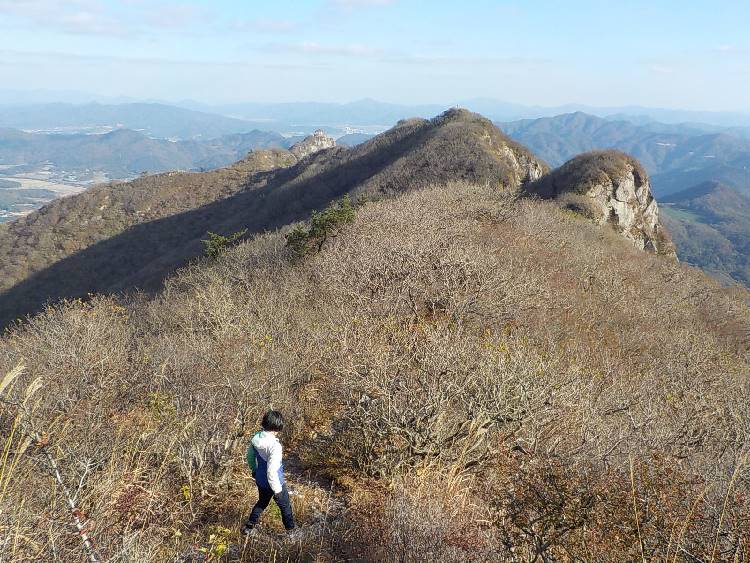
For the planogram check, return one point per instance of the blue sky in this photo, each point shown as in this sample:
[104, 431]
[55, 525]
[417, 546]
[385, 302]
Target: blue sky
[690, 54]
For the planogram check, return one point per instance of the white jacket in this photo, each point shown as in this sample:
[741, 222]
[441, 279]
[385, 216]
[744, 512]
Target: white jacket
[270, 472]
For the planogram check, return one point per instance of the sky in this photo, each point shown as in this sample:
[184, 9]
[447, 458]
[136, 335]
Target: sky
[686, 54]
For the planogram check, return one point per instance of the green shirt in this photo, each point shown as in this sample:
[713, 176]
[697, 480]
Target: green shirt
[252, 463]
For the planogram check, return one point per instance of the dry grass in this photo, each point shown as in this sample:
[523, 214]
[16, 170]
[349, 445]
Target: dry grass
[475, 374]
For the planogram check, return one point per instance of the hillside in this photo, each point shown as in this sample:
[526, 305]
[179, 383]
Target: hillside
[468, 377]
[710, 224]
[98, 230]
[124, 153]
[676, 156]
[68, 248]
[610, 188]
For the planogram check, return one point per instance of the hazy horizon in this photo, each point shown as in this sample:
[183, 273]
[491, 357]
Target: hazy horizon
[676, 56]
[45, 96]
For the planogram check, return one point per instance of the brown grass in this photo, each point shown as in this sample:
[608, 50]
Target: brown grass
[467, 376]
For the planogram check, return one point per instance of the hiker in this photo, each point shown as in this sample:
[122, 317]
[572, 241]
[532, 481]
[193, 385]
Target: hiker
[264, 459]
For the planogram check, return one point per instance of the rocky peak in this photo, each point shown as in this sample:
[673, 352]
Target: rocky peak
[521, 165]
[312, 144]
[613, 189]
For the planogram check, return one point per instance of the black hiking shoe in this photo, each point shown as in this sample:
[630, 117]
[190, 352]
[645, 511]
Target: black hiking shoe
[247, 529]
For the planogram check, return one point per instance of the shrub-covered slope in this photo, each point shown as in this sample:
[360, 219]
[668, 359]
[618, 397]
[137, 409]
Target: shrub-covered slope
[88, 242]
[468, 376]
[132, 235]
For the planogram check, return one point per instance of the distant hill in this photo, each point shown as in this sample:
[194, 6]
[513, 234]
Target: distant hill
[735, 174]
[560, 138]
[361, 112]
[353, 139]
[710, 223]
[125, 153]
[155, 224]
[154, 120]
[671, 153]
[11, 198]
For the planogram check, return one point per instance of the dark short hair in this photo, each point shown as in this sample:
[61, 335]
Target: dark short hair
[273, 421]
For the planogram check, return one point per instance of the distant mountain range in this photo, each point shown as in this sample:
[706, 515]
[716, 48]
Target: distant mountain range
[124, 153]
[42, 104]
[370, 112]
[676, 156]
[153, 120]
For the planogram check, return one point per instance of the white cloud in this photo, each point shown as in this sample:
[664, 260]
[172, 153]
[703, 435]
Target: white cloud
[95, 17]
[67, 16]
[10, 57]
[355, 4]
[429, 60]
[355, 50]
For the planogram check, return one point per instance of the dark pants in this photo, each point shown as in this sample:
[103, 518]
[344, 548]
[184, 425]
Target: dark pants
[283, 502]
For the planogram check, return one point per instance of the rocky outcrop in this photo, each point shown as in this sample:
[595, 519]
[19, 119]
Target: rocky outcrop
[265, 160]
[528, 167]
[613, 189]
[312, 144]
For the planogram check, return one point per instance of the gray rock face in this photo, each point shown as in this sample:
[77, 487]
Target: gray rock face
[613, 189]
[312, 144]
[527, 168]
[626, 203]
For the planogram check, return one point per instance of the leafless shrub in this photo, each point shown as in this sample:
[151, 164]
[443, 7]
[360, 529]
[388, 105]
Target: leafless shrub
[455, 337]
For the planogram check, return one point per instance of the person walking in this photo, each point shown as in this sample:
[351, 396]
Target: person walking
[264, 457]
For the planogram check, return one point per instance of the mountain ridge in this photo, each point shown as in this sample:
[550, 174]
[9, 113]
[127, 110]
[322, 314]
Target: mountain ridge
[456, 146]
[154, 119]
[125, 153]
